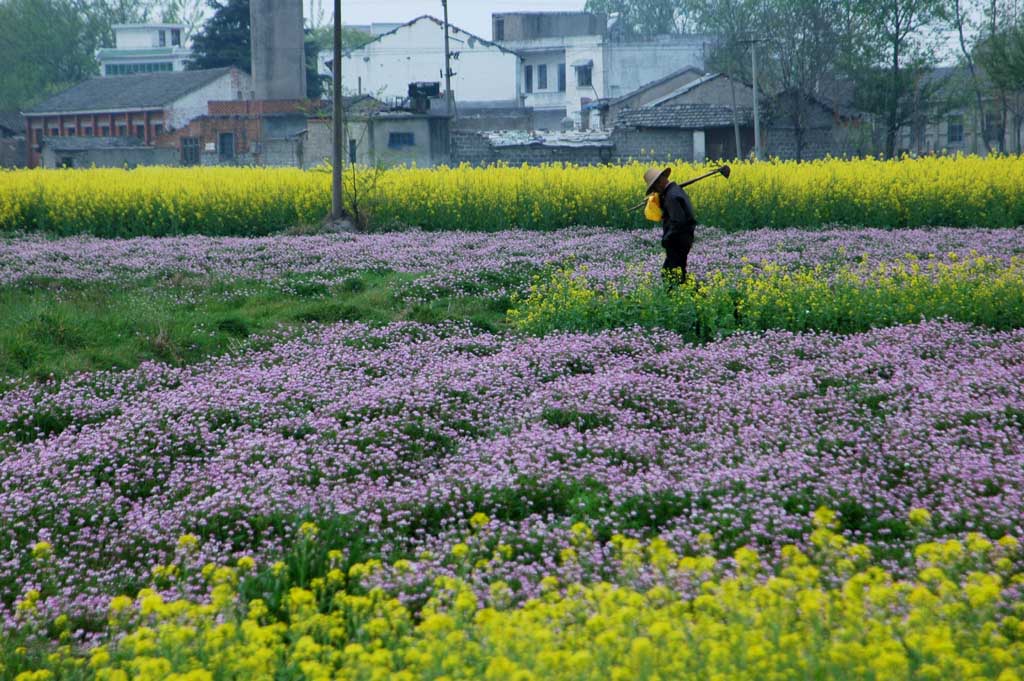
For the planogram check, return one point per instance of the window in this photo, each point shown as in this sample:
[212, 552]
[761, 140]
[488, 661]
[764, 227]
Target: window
[163, 38]
[105, 131]
[226, 146]
[189, 151]
[561, 77]
[542, 77]
[499, 29]
[176, 37]
[70, 132]
[584, 75]
[397, 140]
[955, 130]
[158, 129]
[122, 129]
[351, 151]
[87, 132]
[529, 78]
[55, 132]
[67, 162]
[140, 131]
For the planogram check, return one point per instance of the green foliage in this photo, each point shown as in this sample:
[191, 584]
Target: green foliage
[847, 300]
[60, 327]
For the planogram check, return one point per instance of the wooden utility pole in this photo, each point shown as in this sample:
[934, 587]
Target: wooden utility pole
[337, 204]
[447, 64]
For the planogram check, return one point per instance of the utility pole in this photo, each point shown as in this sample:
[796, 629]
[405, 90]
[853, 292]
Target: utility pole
[337, 204]
[757, 117]
[449, 98]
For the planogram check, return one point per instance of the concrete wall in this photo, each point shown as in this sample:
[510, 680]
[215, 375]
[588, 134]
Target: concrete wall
[372, 136]
[652, 144]
[631, 64]
[385, 67]
[110, 158]
[231, 86]
[278, 54]
[532, 25]
[638, 99]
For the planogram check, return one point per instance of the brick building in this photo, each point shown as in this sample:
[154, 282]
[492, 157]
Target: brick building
[143, 106]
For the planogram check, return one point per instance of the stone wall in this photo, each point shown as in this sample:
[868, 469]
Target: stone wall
[652, 144]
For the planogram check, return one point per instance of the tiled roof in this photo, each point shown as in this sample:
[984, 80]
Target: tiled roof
[137, 91]
[692, 85]
[685, 116]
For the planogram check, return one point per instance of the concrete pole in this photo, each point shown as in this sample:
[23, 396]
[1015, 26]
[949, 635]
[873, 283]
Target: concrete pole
[337, 204]
[757, 117]
[447, 64]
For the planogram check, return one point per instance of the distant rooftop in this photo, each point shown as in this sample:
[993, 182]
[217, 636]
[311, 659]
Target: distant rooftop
[138, 91]
[571, 138]
[684, 116]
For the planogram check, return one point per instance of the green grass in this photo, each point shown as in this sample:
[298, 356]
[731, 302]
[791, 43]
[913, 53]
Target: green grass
[50, 327]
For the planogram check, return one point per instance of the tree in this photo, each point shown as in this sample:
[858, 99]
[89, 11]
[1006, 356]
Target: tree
[644, 17]
[1001, 55]
[901, 50]
[225, 40]
[45, 46]
[805, 40]
[190, 13]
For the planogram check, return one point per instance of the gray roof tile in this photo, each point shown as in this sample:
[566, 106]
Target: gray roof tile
[694, 116]
[138, 91]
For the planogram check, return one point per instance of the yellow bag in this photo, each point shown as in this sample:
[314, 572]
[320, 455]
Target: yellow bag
[653, 209]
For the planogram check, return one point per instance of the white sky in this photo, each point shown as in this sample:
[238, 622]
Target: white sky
[471, 15]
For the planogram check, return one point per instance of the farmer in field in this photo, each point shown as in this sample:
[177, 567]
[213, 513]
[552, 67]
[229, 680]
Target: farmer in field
[677, 222]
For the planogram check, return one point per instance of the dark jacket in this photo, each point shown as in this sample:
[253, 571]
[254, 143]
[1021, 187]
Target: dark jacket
[677, 218]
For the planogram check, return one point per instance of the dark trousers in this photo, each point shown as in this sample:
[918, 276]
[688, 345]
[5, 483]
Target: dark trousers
[677, 250]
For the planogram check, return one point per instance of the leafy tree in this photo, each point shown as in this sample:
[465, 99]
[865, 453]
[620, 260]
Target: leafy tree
[190, 13]
[45, 46]
[644, 17]
[1001, 55]
[899, 45]
[225, 39]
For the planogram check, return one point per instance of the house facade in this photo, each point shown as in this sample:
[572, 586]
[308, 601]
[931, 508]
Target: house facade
[141, 106]
[571, 59]
[414, 52]
[144, 48]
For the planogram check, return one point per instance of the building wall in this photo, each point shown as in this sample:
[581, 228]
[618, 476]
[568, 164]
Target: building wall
[109, 158]
[631, 64]
[235, 85]
[639, 99]
[715, 91]
[824, 135]
[652, 144]
[278, 50]
[533, 25]
[413, 53]
[372, 136]
[144, 37]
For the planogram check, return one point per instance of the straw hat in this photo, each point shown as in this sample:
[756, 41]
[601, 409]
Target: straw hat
[653, 175]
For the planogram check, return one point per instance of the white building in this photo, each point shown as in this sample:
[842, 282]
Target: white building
[571, 59]
[144, 48]
[414, 52]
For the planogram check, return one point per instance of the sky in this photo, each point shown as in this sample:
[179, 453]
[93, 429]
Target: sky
[471, 15]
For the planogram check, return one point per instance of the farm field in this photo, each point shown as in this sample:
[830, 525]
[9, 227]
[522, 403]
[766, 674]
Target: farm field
[513, 455]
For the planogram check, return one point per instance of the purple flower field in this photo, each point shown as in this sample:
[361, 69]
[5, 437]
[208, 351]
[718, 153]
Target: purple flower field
[462, 261]
[398, 434]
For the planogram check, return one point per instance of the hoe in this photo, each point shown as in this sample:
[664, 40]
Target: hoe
[723, 171]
